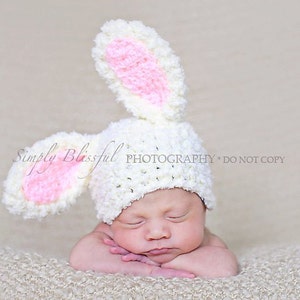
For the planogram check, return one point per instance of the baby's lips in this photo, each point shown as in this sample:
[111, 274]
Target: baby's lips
[159, 251]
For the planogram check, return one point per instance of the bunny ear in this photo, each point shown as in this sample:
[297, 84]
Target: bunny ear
[141, 68]
[48, 177]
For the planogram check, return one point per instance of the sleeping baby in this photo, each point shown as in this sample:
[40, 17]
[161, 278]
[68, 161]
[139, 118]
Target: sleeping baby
[162, 234]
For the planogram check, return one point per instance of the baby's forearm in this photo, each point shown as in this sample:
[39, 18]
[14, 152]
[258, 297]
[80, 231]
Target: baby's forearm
[91, 253]
[207, 262]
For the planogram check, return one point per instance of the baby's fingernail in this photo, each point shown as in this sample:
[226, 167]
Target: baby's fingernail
[113, 250]
[125, 257]
[108, 242]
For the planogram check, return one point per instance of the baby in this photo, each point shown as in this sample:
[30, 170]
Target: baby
[163, 234]
[146, 174]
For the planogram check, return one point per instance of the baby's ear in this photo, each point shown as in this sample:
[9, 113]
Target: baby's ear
[141, 68]
[49, 176]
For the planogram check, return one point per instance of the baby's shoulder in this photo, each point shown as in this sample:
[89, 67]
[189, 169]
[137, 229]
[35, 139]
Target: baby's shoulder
[103, 228]
[212, 240]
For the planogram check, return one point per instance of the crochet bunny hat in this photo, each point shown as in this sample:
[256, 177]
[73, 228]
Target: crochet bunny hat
[152, 150]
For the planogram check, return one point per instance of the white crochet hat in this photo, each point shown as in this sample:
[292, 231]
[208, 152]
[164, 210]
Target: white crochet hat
[153, 150]
[149, 157]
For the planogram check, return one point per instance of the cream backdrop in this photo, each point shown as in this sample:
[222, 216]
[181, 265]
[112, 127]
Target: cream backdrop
[242, 66]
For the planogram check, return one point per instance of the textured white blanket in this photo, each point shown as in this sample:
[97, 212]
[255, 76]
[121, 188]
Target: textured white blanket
[268, 273]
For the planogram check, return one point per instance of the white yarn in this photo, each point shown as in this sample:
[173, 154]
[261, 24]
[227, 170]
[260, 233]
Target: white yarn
[116, 184]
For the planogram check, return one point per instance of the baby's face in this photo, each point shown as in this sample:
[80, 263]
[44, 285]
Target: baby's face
[161, 225]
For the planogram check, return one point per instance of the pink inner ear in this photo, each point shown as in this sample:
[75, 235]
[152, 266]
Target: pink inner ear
[138, 70]
[46, 181]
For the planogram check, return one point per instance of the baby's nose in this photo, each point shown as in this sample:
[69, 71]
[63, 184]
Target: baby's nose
[158, 230]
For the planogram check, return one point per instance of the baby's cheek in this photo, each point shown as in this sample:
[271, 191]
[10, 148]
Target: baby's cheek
[119, 237]
[192, 238]
[127, 239]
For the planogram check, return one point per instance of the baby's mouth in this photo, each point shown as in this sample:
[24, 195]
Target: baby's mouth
[158, 251]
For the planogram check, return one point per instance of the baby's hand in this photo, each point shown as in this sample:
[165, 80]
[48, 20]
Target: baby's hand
[126, 255]
[98, 252]
[156, 270]
[207, 262]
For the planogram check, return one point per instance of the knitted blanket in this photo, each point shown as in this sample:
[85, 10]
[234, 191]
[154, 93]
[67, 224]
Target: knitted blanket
[266, 273]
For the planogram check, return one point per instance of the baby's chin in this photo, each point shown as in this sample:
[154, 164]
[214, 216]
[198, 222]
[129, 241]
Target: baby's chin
[162, 258]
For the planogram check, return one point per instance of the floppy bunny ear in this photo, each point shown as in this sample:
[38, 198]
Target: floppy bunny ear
[48, 177]
[141, 68]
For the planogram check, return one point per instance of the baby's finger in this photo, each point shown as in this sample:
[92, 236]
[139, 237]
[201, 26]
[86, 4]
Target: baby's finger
[140, 258]
[170, 273]
[109, 242]
[131, 257]
[118, 250]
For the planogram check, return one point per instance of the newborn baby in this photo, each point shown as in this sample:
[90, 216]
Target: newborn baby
[163, 234]
[151, 204]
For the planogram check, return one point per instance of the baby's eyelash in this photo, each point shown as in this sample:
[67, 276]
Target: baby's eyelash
[135, 223]
[175, 217]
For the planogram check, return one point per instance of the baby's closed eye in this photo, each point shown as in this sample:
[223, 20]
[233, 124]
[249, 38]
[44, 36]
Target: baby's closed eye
[134, 222]
[177, 217]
